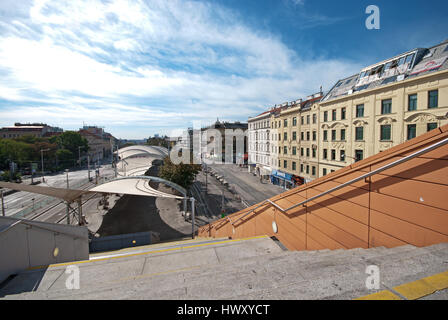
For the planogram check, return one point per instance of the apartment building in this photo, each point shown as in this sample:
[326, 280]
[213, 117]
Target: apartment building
[384, 105]
[259, 145]
[298, 137]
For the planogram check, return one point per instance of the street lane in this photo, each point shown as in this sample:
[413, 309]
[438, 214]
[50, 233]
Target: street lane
[247, 185]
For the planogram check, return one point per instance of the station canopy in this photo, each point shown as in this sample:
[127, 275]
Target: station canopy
[134, 162]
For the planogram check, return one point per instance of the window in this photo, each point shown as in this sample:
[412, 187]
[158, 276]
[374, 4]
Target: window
[325, 155]
[314, 135]
[325, 116]
[294, 121]
[360, 111]
[386, 106]
[285, 150]
[385, 134]
[314, 118]
[324, 171]
[294, 136]
[301, 168]
[333, 115]
[412, 130]
[301, 152]
[314, 153]
[433, 99]
[333, 135]
[307, 169]
[279, 164]
[302, 121]
[307, 136]
[359, 134]
[342, 134]
[279, 150]
[301, 136]
[412, 102]
[279, 137]
[343, 114]
[325, 135]
[294, 166]
[313, 171]
[307, 119]
[359, 155]
[307, 152]
[285, 136]
[431, 126]
[333, 154]
[285, 123]
[342, 155]
[294, 151]
[285, 164]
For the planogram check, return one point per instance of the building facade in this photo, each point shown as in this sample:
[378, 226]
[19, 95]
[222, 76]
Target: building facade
[38, 130]
[259, 145]
[384, 105]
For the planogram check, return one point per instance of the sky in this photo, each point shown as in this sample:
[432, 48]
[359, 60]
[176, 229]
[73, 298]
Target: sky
[145, 67]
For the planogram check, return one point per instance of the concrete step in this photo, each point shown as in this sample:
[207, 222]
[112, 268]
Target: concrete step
[102, 271]
[245, 272]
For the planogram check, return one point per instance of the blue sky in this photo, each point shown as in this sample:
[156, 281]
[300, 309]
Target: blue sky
[153, 66]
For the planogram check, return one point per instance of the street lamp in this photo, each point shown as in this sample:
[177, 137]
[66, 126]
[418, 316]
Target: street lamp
[42, 160]
[66, 171]
[79, 155]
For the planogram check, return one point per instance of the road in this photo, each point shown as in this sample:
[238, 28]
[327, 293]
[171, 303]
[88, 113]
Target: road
[43, 208]
[247, 185]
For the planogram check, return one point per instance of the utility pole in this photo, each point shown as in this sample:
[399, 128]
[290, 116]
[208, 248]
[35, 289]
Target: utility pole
[79, 155]
[42, 160]
[192, 217]
[88, 166]
[3, 203]
[206, 180]
[66, 171]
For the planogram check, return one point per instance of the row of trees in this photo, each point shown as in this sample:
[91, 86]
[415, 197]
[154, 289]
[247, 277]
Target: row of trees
[61, 151]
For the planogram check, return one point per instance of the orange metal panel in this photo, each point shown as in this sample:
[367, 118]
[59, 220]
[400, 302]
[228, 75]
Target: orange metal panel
[422, 169]
[380, 239]
[333, 232]
[405, 231]
[416, 191]
[422, 215]
[322, 238]
[341, 221]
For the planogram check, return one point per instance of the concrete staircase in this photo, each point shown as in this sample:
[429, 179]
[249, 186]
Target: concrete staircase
[253, 269]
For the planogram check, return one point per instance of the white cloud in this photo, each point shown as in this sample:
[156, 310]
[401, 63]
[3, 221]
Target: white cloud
[124, 62]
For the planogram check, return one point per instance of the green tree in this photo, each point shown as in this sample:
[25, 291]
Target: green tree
[182, 174]
[70, 140]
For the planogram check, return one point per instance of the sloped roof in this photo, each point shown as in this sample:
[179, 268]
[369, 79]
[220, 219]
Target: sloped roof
[422, 61]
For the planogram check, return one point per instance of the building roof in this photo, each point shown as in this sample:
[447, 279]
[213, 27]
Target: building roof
[410, 64]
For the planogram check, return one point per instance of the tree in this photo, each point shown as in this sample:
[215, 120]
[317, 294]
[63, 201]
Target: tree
[65, 157]
[70, 140]
[181, 174]
[158, 141]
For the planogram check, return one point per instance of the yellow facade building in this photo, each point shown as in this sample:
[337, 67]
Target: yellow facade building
[384, 105]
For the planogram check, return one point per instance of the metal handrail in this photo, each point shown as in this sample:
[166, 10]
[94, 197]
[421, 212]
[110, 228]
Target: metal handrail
[367, 175]
[39, 227]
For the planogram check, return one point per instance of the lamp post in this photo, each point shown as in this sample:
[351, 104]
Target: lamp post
[42, 162]
[79, 155]
[66, 171]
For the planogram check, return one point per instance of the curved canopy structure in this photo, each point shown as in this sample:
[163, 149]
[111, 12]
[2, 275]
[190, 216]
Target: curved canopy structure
[136, 160]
